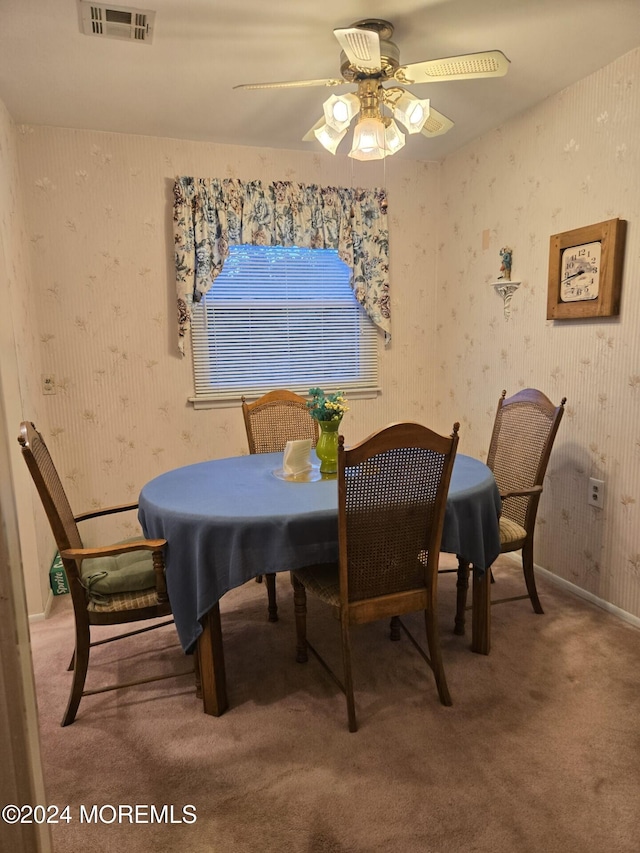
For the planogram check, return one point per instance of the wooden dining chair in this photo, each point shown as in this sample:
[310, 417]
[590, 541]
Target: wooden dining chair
[524, 431]
[277, 417]
[392, 496]
[109, 585]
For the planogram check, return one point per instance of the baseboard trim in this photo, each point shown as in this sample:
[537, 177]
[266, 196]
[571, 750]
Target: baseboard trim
[40, 617]
[577, 590]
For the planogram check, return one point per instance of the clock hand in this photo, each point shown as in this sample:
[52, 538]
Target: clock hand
[573, 275]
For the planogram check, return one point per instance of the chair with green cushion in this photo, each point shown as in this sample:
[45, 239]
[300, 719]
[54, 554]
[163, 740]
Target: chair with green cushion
[109, 585]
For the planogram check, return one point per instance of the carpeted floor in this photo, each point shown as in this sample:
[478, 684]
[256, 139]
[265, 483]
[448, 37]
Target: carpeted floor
[540, 751]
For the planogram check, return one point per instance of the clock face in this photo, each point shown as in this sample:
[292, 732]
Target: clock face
[580, 272]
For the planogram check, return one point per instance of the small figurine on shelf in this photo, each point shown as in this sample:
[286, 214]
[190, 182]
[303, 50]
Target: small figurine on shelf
[505, 266]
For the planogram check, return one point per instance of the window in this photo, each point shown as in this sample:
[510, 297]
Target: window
[282, 317]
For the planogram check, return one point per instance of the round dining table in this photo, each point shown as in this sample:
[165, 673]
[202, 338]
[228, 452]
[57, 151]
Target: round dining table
[228, 520]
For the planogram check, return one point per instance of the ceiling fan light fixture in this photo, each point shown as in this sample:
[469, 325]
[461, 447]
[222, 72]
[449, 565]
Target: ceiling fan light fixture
[371, 61]
[340, 109]
[330, 137]
[411, 111]
[369, 140]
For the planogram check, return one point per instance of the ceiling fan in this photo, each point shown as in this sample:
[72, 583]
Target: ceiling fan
[369, 58]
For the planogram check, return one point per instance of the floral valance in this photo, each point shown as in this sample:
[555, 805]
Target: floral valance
[209, 215]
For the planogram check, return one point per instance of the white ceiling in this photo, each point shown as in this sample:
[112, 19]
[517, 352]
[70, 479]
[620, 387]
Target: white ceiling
[181, 84]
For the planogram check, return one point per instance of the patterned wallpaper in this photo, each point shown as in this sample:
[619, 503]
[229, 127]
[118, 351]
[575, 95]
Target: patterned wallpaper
[98, 214]
[99, 209]
[572, 161]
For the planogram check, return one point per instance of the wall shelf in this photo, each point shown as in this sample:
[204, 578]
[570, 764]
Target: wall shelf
[506, 289]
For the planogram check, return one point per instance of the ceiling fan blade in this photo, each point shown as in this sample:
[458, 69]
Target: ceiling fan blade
[292, 84]
[436, 124]
[362, 47]
[310, 134]
[489, 63]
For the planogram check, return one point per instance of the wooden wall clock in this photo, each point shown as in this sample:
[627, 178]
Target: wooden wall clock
[585, 271]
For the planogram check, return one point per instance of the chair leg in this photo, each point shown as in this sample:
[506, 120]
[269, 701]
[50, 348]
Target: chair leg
[348, 676]
[270, 580]
[300, 608]
[197, 674]
[394, 628]
[80, 665]
[462, 586]
[527, 568]
[435, 653]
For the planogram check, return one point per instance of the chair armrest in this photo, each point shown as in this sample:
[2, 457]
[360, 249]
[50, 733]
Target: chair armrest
[534, 490]
[113, 550]
[109, 510]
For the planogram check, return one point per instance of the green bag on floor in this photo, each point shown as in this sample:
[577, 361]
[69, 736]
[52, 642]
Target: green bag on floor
[58, 576]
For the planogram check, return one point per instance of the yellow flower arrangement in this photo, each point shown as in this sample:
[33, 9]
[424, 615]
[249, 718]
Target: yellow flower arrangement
[329, 407]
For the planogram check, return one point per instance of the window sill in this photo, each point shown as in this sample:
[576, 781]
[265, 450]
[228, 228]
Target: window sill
[233, 401]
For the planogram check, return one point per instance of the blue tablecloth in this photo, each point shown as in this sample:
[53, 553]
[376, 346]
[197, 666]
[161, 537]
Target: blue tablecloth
[228, 520]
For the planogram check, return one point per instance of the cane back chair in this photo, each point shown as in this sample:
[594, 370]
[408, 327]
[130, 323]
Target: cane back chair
[109, 585]
[392, 496]
[277, 417]
[523, 434]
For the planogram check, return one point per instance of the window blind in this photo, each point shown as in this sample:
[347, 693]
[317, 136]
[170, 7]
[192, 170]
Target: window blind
[282, 317]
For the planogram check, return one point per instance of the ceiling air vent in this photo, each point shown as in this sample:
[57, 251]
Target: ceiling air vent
[116, 22]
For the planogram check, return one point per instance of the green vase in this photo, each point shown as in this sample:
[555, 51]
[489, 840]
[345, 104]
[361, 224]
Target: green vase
[327, 447]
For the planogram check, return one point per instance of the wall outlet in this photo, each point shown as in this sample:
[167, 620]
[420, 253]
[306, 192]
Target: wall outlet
[48, 383]
[596, 492]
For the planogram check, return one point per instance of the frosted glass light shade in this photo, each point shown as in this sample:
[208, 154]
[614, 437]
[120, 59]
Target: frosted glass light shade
[340, 109]
[393, 138]
[330, 137]
[412, 112]
[369, 140]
